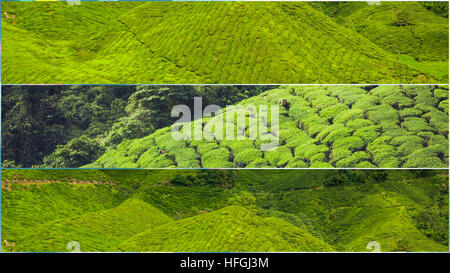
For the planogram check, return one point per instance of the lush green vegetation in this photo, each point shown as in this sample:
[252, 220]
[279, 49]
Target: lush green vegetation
[222, 42]
[224, 210]
[128, 126]
[35, 119]
[97, 231]
[70, 126]
[416, 30]
[232, 229]
[437, 68]
[440, 8]
[319, 127]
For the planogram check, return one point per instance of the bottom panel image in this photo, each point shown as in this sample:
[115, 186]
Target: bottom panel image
[224, 210]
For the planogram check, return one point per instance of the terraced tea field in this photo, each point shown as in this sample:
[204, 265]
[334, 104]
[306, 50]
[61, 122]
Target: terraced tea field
[213, 42]
[276, 210]
[231, 229]
[401, 28]
[318, 127]
[97, 231]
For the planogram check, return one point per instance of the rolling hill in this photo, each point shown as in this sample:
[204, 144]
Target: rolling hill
[98, 231]
[418, 36]
[231, 229]
[34, 198]
[319, 127]
[193, 42]
[385, 220]
[350, 217]
[264, 210]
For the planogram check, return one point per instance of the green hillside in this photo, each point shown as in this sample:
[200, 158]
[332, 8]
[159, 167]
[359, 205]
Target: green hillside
[97, 231]
[229, 229]
[350, 217]
[198, 42]
[67, 126]
[34, 199]
[402, 28]
[225, 210]
[386, 220]
[319, 127]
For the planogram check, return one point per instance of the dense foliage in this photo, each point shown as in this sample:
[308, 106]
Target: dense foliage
[416, 32]
[71, 126]
[262, 210]
[319, 127]
[438, 7]
[222, 42]
[35, 119]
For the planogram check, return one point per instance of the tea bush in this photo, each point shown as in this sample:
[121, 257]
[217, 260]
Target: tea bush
[198, 42]
[383, 135]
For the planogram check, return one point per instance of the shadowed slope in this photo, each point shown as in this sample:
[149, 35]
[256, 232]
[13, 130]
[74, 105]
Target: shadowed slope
[229, 229]
[419, 37]
[349, 217]
[400, 28]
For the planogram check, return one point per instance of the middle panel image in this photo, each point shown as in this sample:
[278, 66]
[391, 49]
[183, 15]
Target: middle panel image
[225, 126]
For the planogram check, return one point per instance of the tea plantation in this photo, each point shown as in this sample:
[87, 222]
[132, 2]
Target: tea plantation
[318, 127]
[231, 229]
[224, 210]
[217, 42]
[402, 28]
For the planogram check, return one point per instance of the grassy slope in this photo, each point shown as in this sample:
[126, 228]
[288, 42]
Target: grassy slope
[228, 229]
[116, 42]
[324, 126]
[439, 69]
[93, 43]
[351, 216]
[424, 38]
[97, 231]
[383, 219]
[345, 217]
[25, 206]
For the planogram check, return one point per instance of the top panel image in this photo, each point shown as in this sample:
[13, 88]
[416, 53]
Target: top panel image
[224, 42]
